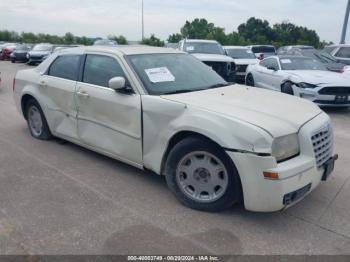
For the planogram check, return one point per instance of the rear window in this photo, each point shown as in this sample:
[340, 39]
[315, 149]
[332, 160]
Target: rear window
[263, 49]
[343, 52]
[66, 67]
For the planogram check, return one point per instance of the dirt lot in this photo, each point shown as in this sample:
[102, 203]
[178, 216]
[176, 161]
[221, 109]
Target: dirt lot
[63, 199]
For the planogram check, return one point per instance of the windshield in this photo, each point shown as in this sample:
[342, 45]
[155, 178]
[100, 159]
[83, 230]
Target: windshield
[23, 47]
[263, 49]
[240, 53]
[301, 63]
[42, 47]
[204, 48]
[321, 56]
[174, 73]
[105, 42]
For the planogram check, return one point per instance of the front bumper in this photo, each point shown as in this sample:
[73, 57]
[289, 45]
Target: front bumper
[297, 177]
[328, 100]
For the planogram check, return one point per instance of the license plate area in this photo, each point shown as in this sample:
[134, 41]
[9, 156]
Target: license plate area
[341, 98]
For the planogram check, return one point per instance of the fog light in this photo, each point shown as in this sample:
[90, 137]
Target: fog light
[271, 175]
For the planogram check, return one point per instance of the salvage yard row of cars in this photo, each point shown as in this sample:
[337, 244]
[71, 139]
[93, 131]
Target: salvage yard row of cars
[30, 53]
[176, 113]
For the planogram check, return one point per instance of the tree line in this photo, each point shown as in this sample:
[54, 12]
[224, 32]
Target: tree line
[254, 31]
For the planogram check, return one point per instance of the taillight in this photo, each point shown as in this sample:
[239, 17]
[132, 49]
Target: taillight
[14, 83]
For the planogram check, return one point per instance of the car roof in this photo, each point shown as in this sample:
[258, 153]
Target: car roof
[199, 41]
[122, 50]
[235, 47]
[339, 45]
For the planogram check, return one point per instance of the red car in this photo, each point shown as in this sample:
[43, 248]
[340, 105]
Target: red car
[6, 51]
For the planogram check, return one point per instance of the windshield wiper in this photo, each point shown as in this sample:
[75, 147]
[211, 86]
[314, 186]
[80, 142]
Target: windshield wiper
[180, 91]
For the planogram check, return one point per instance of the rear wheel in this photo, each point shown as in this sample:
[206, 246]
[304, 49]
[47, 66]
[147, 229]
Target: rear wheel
[287, 88]
[249, 80]
[202, 176]
[37, 124]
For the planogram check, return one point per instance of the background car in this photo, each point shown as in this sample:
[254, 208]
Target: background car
[301, 76]
[341, 52]
[105, 42]
[262, 51]
[329, 61]
[7, 51]
[242, 57]
[212, 54]
[20, 53]
[39, 53]
[283, 50]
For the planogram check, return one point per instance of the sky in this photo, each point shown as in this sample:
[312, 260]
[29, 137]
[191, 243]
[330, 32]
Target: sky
[95, 18]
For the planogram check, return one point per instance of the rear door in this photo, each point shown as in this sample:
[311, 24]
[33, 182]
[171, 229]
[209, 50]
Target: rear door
[58, 86]
[109, 121]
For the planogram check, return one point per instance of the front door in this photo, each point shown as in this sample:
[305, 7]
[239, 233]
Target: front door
[108, 120]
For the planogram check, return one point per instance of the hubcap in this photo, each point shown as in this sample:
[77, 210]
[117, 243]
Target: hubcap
[202, 177]
[35, 121]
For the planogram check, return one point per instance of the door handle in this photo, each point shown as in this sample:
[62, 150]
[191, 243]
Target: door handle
[83, 94]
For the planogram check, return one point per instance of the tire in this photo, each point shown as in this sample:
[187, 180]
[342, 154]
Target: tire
[13, 61]
[250, 80]
[287, 88]
[225, 192]
[36, 121]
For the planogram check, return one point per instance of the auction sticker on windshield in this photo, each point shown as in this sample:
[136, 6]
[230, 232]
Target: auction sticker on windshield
[286, 61]
[160, 74]
[190, 48]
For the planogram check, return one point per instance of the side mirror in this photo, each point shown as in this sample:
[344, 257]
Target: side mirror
[272, 68]
[117, 83]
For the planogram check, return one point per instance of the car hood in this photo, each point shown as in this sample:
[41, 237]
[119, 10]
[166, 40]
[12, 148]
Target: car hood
[39, 53]
[278, 114]
[335, 66]
[318, 77]
[213, 58]
[252, 61]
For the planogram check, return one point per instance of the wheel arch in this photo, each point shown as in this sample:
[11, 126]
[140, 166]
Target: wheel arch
[181, 135]
[24, 100]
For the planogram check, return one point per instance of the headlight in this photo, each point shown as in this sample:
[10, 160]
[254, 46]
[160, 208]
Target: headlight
[306, 85]
[28, 56]
[285, 147]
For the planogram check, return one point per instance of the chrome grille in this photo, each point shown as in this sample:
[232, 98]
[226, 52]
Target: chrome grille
[322, 141]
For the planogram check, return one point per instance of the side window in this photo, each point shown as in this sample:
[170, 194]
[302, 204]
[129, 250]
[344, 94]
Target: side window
[275, 64]
[65, 66]
[266, 62]
[99, 69]
[343, 52]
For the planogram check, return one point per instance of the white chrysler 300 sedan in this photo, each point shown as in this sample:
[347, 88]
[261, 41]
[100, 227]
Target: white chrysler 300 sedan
[165, 111]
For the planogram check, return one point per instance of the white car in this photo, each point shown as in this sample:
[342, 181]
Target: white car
[243, 57]
[212, 54]
[163, 110]
[301, 76]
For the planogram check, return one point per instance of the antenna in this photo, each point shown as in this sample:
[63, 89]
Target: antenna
[345, 25]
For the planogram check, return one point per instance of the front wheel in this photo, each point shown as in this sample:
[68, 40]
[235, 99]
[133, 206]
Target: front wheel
[250, 80]
[287, 88]
[37, 124]
[202, 176]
